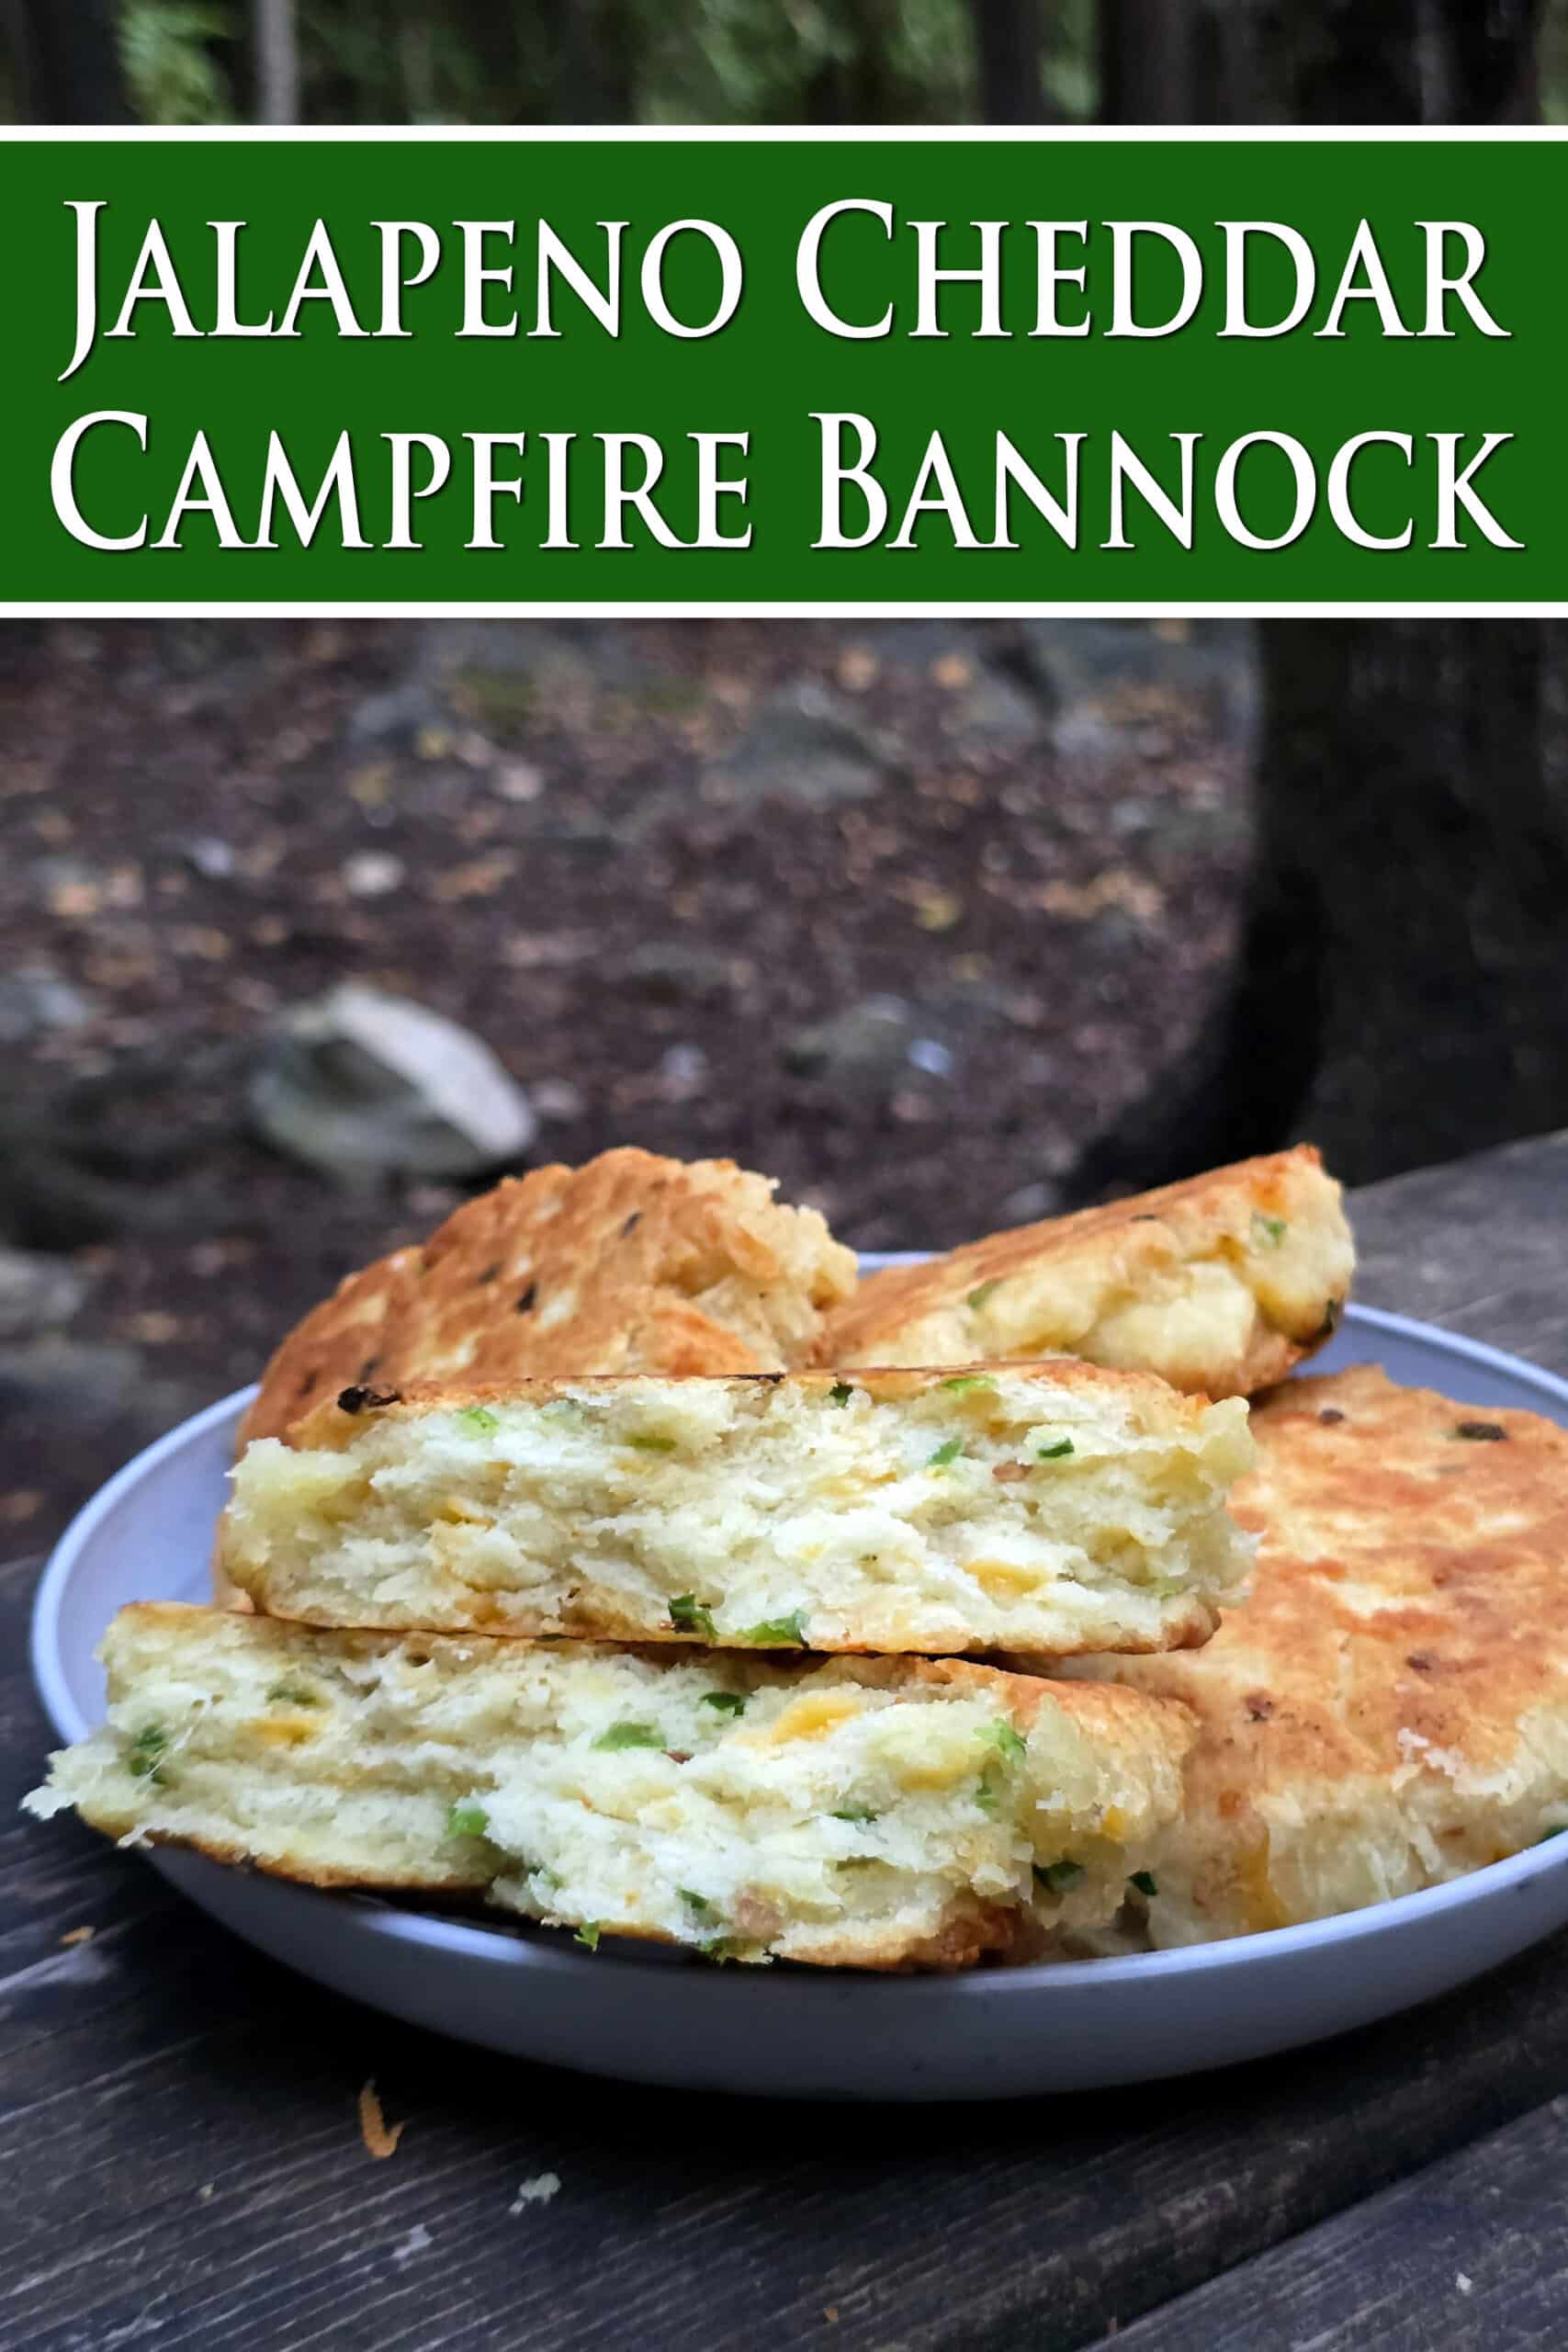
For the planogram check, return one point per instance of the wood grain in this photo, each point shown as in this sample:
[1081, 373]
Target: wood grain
[183, 2165]
[1471, 2253]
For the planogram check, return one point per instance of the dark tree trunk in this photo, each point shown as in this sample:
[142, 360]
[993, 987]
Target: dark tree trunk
[514, 62]
[1487, 61]
[1147, 62]
[1009, 84]
[597, 79]
[71, 70]
[1344, 61]
[1337, 62]
[861, 82]
[1403, 991]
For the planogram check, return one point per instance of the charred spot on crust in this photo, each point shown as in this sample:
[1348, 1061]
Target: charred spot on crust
[1259, 1705]
[1329, 1415]
[1422, 1661]
[1483, 1433]
[525, 1304]
[367, 1368]
[489, 1273]
[359, 1399]
[631, 1224]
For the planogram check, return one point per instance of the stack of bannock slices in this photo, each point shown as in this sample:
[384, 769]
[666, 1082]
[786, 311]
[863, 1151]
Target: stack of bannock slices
[616, 1560]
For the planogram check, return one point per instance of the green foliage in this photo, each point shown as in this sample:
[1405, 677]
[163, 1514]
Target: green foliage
[1068, 67]
[816, 61]
[699, 60]
[168, 50]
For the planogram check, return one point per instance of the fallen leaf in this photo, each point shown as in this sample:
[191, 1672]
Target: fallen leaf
[74, 901]
[380, 2136]
[1115, 888]
[938, 910]
[213, 946]
[482, 877]
[155, 1328]
[370, 786]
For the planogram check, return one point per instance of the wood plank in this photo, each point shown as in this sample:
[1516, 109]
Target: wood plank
[1477, 1245]
[1471, 2253]
[182, 2160]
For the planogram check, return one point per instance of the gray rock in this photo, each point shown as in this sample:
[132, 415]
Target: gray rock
[558, 1098]
[68, 1409]
[997, 713]
[1079, 662]
[930, 1055]
[91, 1383]
[571, 654]
[683, 1069]
[868, 1040]
[398, 712]
[365, 1085]
[502, 674]
[804, 743]
[33, 1001]
[209, 855]
[37, 1293]
[666, 969]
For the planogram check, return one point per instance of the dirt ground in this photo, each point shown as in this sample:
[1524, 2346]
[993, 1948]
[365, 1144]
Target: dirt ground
[901, 913]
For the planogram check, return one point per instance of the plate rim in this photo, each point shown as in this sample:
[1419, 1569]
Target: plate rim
[415, 1930]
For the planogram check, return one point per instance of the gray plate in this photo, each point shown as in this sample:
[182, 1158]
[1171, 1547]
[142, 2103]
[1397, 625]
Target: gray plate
[804, 2033]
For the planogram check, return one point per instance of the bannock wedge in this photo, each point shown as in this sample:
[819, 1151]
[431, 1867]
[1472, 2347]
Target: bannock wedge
[884, 1813]
[1389, 1707]
[629, 1264]
[1219, 1285]
[1050, 1508]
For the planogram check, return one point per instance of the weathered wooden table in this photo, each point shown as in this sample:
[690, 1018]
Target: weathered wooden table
[184, 2165]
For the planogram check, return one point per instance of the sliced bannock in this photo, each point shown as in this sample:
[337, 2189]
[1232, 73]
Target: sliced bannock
[882, 1814]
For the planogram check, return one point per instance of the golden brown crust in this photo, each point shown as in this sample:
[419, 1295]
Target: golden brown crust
[1276, 1223]
[339, 1418]
[972, 1932]
[1391, 1704]
[629, 1264]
